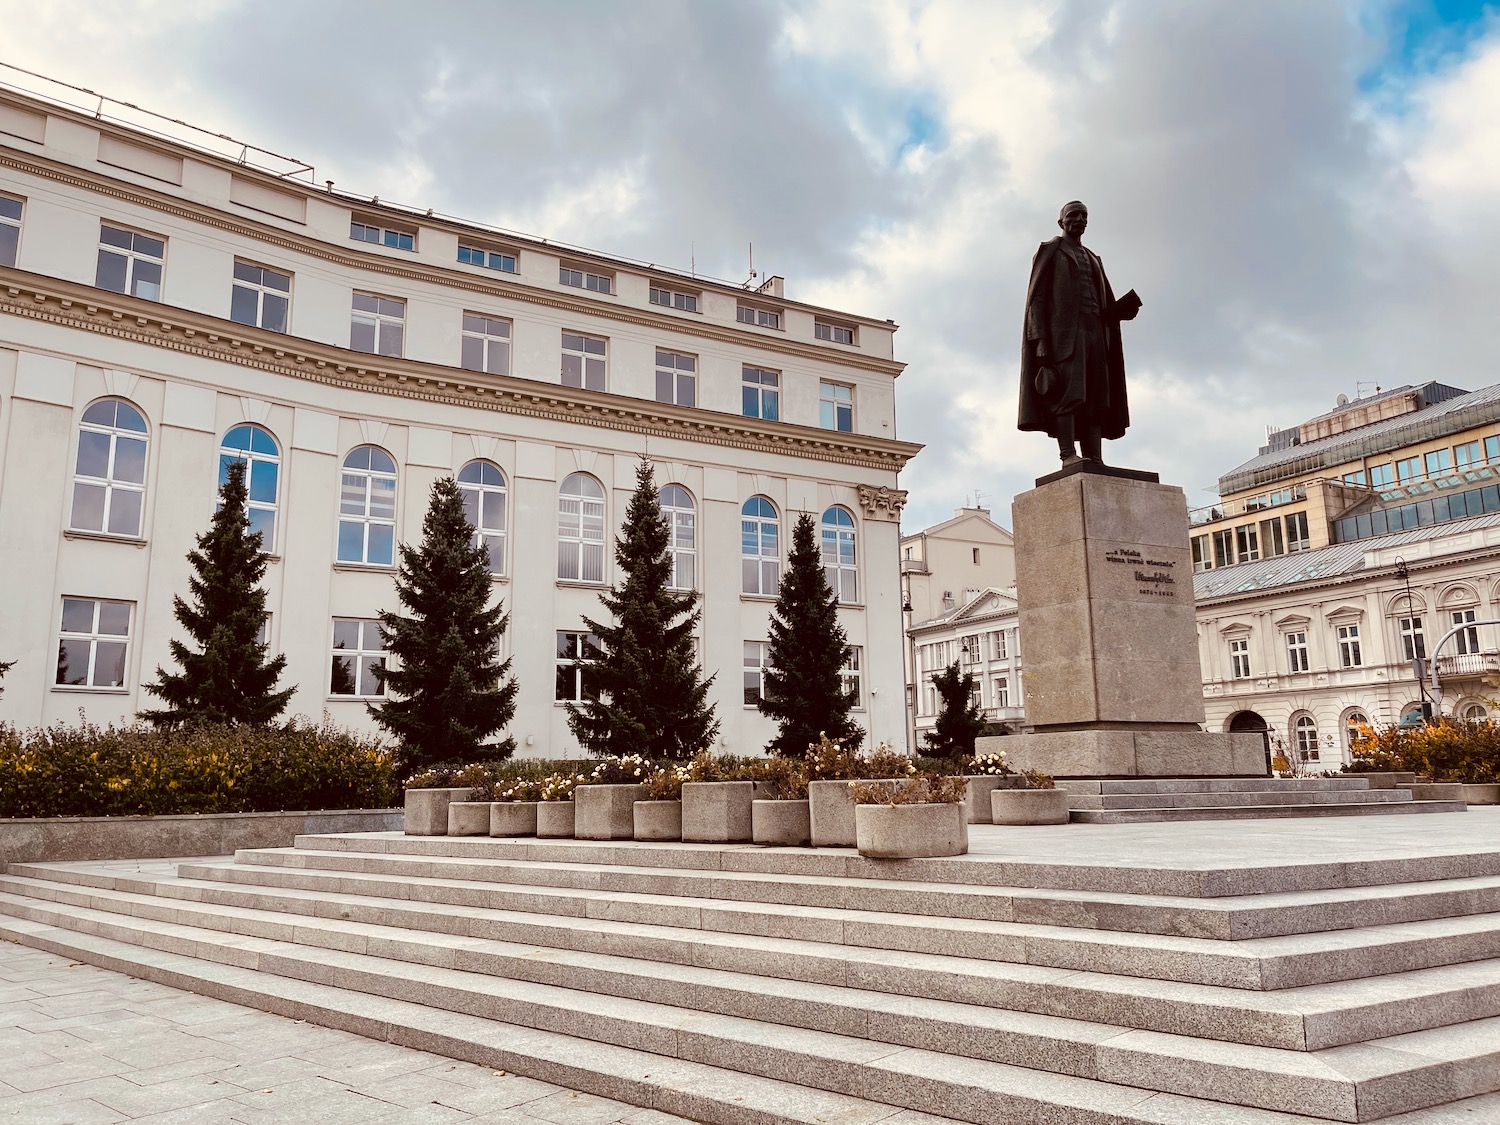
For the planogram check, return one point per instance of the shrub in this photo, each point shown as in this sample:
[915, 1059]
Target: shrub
[785, 778]
[1035, 779]
[990, 765]
[666, 783]
[560, 786]
[829, 759]
[926, 789]
[88, 770]
[1448, 750]
[628, 769]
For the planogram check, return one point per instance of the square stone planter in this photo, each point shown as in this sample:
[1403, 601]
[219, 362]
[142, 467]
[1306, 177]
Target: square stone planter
[717, 812]
[1029, 806]
[605, 812]
[513, 818]
[1482, 794]
[831, 814]
[911, 831]
[469, 818]
[780, 824]
[658, 820]
[427, 810]
[977, 795]
[554, 818]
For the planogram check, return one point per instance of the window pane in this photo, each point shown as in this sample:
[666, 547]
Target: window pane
[147, 282]
[273, 312]
[364, 302]
[109, 664]
[495, 545]
[145, 244]
[9, 237]
[73, 662]
[130, 460]
[351, 541]
[382, 544]
[88, 507]
[390, 338]
[498, 361]
[362, 335]
[113, 236]
[346, 634]
[769, 407]
[750, 402]
[382, 498]
[244, 305]
[125, 512]
[111, 272]
[594, 374]
[114, 618]
[78, 615]
[687, 388]
[494, 510]
[263, 481]
[341, 681]
[572, 370]
[473, 353]
[368, 683]
[263, 523]
[93, 454]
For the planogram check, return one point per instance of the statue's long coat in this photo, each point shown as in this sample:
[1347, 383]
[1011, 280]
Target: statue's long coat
[1052, 317]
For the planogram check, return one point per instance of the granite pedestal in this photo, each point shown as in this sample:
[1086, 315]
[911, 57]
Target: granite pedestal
[1111, 672]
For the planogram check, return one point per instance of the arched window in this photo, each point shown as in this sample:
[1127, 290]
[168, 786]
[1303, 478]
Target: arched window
[1473, 713]
[367, 507]
[760, 546]
[109, 478]
[838, 554]
[1305, 733]
[580, 529]
[1352, 722]
[483, 487]
[262, 457]
[682, 522]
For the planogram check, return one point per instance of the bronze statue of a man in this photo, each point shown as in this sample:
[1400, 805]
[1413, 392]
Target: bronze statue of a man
[1072, 365]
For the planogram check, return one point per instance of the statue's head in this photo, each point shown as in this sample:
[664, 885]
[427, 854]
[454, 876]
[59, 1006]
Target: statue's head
[1073, 218]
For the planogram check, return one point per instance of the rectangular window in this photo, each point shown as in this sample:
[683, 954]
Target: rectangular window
[674, 299]
[1355, 478]
[1296, 651]
[676, 378]
[1463, 455]
[92, 643]
[1349, 650]
[10, 229]
[1246, 543]
[851, 675]
[1439, 461]
[1271, 542]
[1296, 532]
[762, 318]
[583, 361]
[261, 297]
[1002, 691]
[1239, 658]
[975, 551]
[1202, 557]
[837, 333]
[1467, 640]
[130, 262]
[836, 407]
[761, 393]
[1408, 469]
[1224, 547]
[377, 325]
[377, 234]
[501, 260]
[585, 279]
[358, 652]
[575, 680]
[1492, 448]
[1413, 643]
[486, 344]
[755, 667]
[1382, 476]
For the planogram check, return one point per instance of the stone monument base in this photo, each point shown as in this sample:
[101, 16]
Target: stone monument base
[1131, 753]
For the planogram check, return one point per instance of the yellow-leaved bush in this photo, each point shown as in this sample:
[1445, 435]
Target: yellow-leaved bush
[1445, 750]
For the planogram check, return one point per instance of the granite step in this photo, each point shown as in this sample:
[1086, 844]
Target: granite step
[732, 974]
[1218, 785]
[1260, 811]
[988, 1049]
[1237, 797]
[985, 866]
[711, 1094]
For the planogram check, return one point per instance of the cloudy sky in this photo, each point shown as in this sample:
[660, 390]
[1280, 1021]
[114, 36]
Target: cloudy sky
[1306, 193]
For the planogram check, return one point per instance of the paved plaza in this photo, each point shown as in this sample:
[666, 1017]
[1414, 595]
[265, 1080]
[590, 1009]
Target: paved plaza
[86, 1046]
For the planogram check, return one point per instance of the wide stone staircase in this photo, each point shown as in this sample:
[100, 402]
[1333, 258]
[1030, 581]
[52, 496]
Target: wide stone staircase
[1250, 798]
[754, 986]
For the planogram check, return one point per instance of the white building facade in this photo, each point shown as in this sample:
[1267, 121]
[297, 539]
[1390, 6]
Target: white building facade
[164, 309]
[983, 635]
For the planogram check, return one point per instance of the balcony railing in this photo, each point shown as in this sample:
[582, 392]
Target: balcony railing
[1246, 505]
[1469, 664]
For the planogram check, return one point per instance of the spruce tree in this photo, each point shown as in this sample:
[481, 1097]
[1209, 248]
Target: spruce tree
[5, 666]
[449, 691]
[229, 678]
[647, 692]
[959, 719]
[803, 681]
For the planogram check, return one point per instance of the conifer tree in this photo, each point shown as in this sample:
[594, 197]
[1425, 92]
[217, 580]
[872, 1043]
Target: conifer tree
[647, 694]
[959, 719]
[5, 666]
[449, 691]
[229, 678]
[803, 681]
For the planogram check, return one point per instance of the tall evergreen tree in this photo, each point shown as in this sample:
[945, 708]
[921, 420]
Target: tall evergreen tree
[229, 679]
[5, 666]
[450, 689]
[959, 719]
[647, 691]
[803, 681]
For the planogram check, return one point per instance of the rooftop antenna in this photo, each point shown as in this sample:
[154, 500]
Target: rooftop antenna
[693, 258]
[753, 274]
[979, 498]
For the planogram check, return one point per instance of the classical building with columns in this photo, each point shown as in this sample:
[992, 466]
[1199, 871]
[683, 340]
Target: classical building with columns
[167, 306]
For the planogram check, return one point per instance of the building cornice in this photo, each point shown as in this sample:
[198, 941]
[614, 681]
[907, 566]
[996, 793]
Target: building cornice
[417, 270]
[89, 309]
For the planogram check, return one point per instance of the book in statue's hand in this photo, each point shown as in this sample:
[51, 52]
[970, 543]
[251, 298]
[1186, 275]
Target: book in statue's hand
[1130, 300]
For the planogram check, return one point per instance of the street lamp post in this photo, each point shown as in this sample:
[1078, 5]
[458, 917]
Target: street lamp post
[1437, 698]
[1404, 573]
